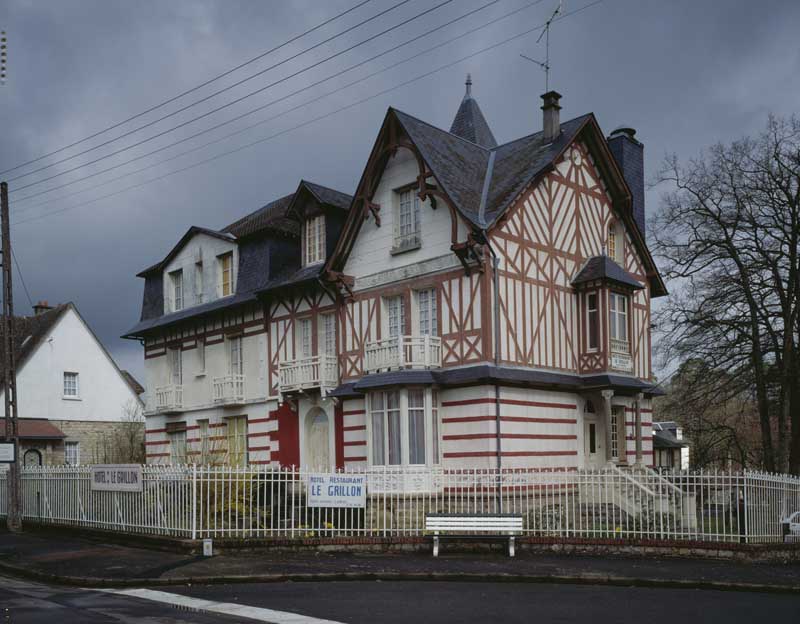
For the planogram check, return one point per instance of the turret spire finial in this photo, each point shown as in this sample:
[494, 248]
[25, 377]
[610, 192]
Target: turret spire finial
[469, 85]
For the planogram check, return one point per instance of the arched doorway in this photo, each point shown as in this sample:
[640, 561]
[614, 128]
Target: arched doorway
[32, 457]
[318, 439]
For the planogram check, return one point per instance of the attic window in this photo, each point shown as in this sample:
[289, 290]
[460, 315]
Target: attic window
[176, 277]
[314, 240]
[614, 244]
[226, 274]
[407, 221]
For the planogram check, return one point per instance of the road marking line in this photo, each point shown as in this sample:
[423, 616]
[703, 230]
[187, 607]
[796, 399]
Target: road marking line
[226, 608]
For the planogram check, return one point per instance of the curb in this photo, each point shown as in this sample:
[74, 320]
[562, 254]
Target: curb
[608, 580]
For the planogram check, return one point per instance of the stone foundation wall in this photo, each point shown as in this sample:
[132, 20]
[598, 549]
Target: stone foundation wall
[101, 442]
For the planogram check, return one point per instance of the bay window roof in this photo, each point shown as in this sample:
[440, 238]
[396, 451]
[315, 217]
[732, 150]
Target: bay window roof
[605, 269]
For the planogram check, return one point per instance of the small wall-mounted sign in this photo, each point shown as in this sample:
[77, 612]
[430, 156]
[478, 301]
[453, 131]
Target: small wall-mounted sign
[337, 490]
[117, 478]
[621, 362]
[6, 452]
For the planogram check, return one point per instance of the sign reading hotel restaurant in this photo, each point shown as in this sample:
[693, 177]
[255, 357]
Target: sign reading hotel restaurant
[117, 477]
[337, 490]
[621, 362]
[6, 452]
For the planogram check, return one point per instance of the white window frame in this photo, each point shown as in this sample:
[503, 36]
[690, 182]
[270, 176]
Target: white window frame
[314, 240]
[613, 243]
[395, 308]
[327, 333]
[72, 452]
[177, 442]
[75, 377]
[618, 319]
[596, 311]
[176, 366]
[235, 355]
[178, 296]
[408, 226]
[304, 347]
[221, 259]
[427, 318]
[236, 429]
[406, 417]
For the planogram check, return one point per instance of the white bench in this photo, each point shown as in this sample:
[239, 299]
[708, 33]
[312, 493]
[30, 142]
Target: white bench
[791, 526]
[474, 526]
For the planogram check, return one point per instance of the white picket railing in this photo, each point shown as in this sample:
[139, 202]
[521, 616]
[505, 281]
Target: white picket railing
[169, 398]
[403, 352]
[228, 390]
[231, 502]
[312, 372]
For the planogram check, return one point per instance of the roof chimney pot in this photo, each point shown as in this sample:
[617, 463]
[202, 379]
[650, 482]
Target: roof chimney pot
[41, 307]
[551, 123]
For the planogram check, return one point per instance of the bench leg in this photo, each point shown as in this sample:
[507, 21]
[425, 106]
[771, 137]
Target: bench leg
[511, 546]
[435, 545]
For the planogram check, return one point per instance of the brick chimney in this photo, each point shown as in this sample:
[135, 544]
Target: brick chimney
[629, 154]
[551, 124]
[41, 307]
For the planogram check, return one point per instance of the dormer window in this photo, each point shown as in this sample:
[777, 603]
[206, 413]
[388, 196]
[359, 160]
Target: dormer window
[314, 240]
[226, 274]
[407, 221]
[176, 278]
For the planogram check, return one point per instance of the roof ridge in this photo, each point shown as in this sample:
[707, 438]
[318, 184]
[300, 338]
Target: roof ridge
[532, 134]
[447, 132]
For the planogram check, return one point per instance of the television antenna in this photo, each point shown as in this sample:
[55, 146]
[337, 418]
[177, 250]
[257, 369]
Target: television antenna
[546, 34]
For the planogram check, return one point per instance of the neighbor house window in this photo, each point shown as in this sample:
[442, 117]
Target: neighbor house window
[407, 228]
[235, 358]
[177, 447]
[72, 453]
[71, 386]
[592, 322]
[176, 278]
[426, 310]
[226, 274]
[237, 441]
[328, 324]
[314, 240]
[618, 322]
[396, 315]
[176, 366]
[404, 427]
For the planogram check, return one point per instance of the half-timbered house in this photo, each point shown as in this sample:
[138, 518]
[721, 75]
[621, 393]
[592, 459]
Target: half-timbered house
[473, 304]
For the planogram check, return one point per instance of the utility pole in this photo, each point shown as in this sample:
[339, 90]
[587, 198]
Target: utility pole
[14, 517]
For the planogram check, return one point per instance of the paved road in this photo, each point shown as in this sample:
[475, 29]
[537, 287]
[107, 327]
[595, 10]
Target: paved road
[24, 602]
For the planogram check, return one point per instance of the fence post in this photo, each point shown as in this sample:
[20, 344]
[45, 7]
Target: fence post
[194, 501]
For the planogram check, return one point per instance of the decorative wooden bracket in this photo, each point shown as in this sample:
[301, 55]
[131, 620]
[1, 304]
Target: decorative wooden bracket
[375, 210]
[470, 253]
[341, 281]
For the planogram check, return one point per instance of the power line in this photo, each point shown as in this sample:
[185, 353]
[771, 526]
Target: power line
[285, 97]
[220, 91]
[193, 89]
[21, 279]
[309, 122]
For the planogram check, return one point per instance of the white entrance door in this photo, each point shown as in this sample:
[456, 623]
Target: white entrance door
[318, 439]
[593, 443]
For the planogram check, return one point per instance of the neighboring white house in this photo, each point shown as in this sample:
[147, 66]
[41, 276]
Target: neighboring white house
[670, 447]
[74, 404]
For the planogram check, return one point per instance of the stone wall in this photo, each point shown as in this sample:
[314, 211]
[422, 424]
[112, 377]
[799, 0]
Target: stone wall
[101, 442]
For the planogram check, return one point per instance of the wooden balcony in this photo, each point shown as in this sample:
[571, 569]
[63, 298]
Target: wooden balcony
[169, 399]
[403, 352]
[228, 390]
[311, 373]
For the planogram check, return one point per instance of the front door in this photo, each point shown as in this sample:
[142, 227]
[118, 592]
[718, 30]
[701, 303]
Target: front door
[593, 443]
[318, 440]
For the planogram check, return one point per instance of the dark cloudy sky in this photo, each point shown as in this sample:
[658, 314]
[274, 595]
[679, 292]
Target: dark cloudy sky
[684, 73]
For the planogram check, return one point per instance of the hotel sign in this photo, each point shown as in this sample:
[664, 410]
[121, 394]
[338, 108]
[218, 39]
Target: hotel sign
[117, 478]
[337, 490]
[621, 362]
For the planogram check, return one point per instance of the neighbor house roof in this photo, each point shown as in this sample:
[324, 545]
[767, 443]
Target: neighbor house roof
[34, 429]
[665, 439]
[29, 331]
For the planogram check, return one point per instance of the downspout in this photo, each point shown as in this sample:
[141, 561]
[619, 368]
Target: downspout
[496, 321]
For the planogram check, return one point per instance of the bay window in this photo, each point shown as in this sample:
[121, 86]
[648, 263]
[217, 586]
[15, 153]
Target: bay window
[404, 427]
[618, 322]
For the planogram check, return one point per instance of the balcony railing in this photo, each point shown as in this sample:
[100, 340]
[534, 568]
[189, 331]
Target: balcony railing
[308, 373]
[169, 399]
[228, 390]
[403, 352]
[620, 346]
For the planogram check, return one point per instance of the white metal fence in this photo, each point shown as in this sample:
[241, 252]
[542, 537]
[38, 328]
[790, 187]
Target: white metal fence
[230, 502]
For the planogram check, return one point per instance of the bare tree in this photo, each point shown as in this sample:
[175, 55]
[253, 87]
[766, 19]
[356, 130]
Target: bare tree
[728, 234]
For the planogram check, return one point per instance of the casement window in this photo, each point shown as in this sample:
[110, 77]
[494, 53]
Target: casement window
[176, 279]
[407, 231]
[177, 446]
[176, 366]
[304, 340]
[235, 357]
[202, 431]
[396, 316]
[237, 440]
[592, 322]
[617, 427]
[404, 427]
[71, 386]
[328, 339]
[226, 274]
[314, 240]
[615, 246]
[618, 322]
[198, 282]
[72, 453]
[427, 318]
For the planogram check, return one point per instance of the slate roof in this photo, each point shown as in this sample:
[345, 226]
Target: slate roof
[34, 429]
[665, 439]
[469, 122]
[329, 196]
[604, 268]
[271, 215]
